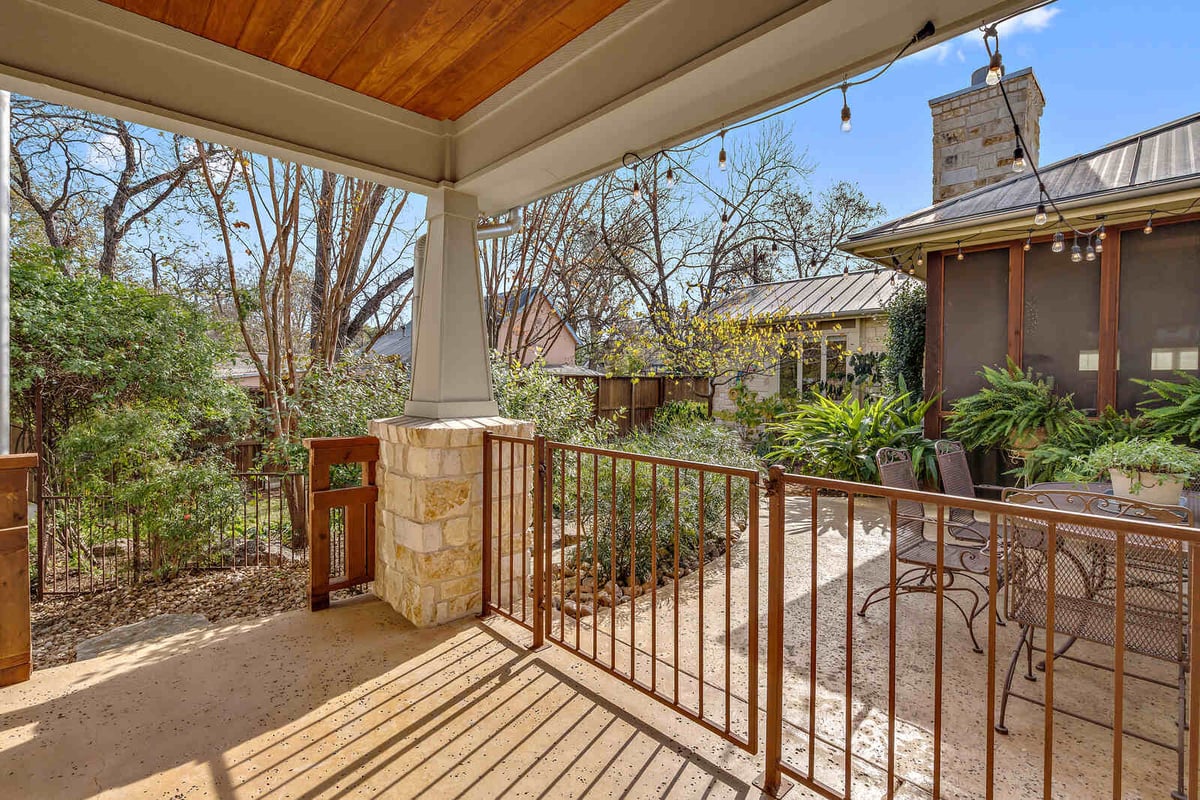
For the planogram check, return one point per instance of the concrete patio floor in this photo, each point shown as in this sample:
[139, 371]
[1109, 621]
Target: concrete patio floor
[350, 702]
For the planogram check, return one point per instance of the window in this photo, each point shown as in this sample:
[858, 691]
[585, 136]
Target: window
[836, 354]
[1062, 322]
[1158, 330]
[812, 364]
[975, 320]
[787, 373]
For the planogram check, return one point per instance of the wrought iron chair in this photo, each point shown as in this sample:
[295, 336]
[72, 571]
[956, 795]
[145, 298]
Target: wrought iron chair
[920, 555]
[956, 480]
[1084, 588]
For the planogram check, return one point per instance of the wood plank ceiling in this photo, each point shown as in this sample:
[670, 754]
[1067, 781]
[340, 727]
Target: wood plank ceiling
[439, 58]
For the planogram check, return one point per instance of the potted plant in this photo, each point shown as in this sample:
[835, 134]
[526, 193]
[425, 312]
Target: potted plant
[1153, 470]
[1016, 410]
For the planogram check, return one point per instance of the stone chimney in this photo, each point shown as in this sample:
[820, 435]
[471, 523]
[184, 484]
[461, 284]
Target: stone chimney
[973, 138]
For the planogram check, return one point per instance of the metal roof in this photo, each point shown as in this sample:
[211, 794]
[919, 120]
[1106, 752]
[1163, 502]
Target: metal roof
[1156, 157]
[857, 294]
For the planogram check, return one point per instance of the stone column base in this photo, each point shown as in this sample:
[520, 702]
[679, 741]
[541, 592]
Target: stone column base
[429, 535]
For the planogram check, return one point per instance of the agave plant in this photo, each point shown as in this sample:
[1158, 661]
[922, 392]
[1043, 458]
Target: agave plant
[839, 439]
[1172, 408]
[1014, 408]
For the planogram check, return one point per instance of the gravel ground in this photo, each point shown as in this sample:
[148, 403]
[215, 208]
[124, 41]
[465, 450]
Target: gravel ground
[60, 623]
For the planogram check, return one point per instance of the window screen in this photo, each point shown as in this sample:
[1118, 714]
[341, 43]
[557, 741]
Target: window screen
[812, 364]
[975, 320]
[1158, 330]
[1062, 321]
[835, 360]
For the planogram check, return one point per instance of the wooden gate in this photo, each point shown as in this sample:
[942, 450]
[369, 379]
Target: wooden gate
[341, 521]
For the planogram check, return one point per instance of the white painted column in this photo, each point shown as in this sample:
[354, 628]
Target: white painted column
[451, 375]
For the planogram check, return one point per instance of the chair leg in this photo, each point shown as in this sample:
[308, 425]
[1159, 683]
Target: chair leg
[1059, 651]
[967, 618]
[1026, 630]
[883, 592]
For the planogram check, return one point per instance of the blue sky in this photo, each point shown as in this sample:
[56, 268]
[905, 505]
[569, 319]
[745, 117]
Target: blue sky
[1108, 69]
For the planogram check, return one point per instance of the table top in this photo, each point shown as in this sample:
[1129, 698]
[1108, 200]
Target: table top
[1190, 499]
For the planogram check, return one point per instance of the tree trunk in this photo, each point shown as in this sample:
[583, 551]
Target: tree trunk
[297, 503]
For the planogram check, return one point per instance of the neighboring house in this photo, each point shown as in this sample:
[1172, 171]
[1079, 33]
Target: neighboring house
[531, 327]
[844, 314]
[1128, 309]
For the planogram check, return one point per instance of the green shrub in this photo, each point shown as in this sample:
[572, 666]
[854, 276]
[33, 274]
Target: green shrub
[905, 361]
[839, 439]
[653, 491]
[560, 411]
[1172, 407]
[680, 414]
[1013, 409]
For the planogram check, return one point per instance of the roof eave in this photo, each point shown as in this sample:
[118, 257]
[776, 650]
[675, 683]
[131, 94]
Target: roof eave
[1109, 202]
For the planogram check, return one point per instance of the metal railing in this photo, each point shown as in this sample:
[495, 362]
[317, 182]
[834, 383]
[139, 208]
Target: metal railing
[611, 546]
[881, 705]
[85, 543]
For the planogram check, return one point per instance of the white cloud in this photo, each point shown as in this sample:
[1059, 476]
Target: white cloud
[955, 50]
[1034, 21]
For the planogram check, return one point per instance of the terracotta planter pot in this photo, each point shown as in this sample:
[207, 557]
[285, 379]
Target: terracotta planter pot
[1022, 446]
[1150, 487]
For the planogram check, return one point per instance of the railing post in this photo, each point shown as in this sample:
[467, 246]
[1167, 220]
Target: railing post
[1193, 761]
[318, 534]
[489, 497]
[541, 598]
[771, 781]
[16, 652]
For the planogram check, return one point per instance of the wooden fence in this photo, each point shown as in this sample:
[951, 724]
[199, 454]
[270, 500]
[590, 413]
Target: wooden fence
[631, 401]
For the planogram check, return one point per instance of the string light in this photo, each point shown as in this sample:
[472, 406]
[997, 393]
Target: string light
[1149, 229]
[1099, 248]
[1028, 242]
[670, 178]
[1076, 253]
[1018, 164]
[774, 247]
[1101, 234]
[1090, 254]
[845, 109]
[995, 65]
[845, 271]
[724, 220]
[637, 190]
[1039, 218]
[722, 161]
[1059, 242]
[960, 252]
[920, 256]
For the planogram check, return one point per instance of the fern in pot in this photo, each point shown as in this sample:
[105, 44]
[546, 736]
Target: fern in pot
[1016, 410]
[1152, 470]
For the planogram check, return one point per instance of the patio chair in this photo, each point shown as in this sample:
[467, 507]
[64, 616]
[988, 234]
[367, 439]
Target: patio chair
[920, 555]
[1084, 589]
[956, 480]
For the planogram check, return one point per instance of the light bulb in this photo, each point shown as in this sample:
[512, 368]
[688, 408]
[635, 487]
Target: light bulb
[722, 161]
[1099, 246]
[845, 270]
[637, 191]
[1102, 234]
[1039, 218]
[960, 252]
[920, 258]
[846, 119]
[1059, 243]
[724, 220]
[1028, 242]
[670, 178]
[1018, 164]
[1090, 253]
[1149, 229]
[995, 70]
[774, 247]
[1076, 253]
